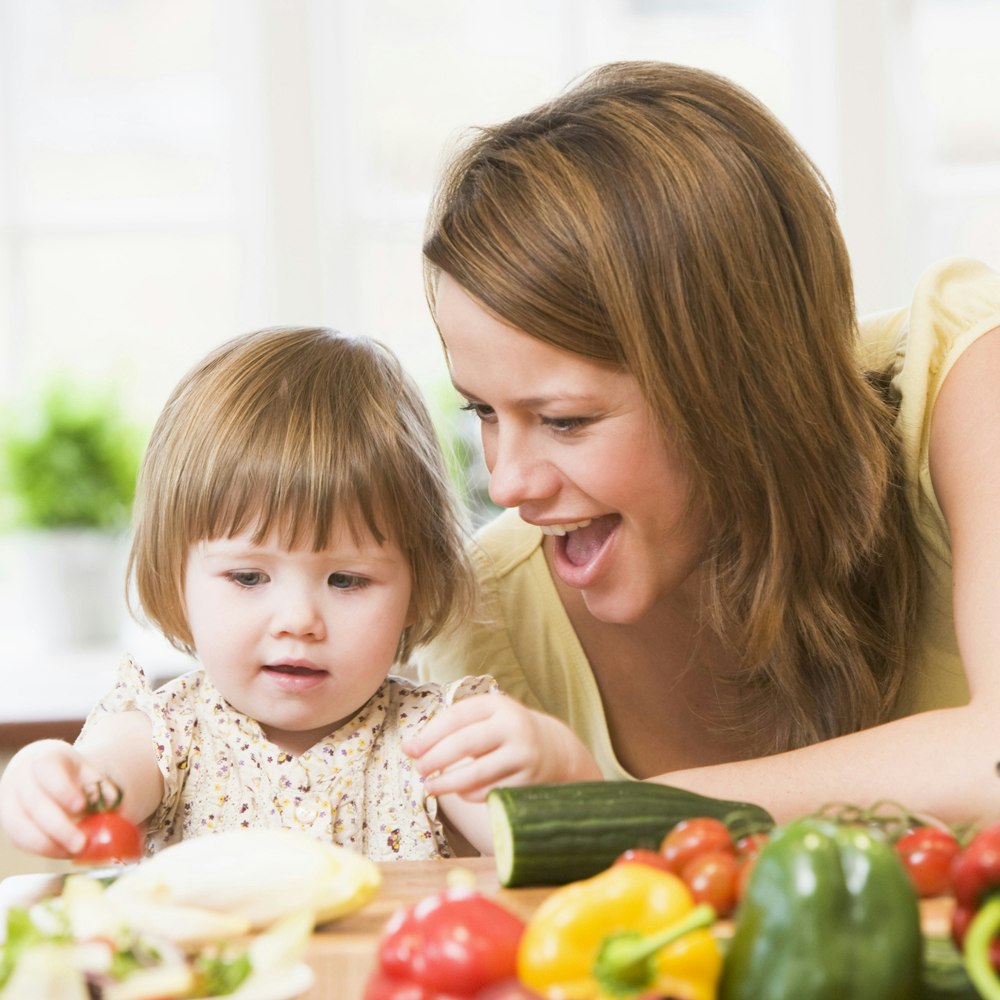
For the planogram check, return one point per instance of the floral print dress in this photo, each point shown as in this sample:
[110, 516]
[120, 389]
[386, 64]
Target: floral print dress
[355, 787]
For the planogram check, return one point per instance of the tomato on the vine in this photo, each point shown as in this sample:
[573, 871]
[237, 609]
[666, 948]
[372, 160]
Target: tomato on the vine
[691, 837]
[111, 837]
[712, 877]
[927, 853]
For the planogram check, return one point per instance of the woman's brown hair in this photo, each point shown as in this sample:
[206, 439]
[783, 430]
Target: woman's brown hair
[658, 217]
[298, 430]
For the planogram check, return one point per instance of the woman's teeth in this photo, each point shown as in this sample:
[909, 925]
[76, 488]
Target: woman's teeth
[563, 529]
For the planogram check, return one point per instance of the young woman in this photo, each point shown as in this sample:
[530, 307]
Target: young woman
[751, 548]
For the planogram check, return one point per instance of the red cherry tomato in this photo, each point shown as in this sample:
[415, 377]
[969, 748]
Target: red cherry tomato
[712, 877]
[927, 853]
[110, 838]
[643, 856]
[748, 847]
[691, 837]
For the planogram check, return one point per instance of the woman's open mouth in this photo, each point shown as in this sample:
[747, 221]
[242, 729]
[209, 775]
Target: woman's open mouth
[578, 548]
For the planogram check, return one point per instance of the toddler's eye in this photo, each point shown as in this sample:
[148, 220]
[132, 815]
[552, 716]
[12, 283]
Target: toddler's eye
[247, 577]
[346, 581]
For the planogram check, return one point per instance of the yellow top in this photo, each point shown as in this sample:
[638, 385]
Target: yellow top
[525, 640]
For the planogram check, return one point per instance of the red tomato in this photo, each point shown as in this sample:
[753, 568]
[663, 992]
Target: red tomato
[927, 853]
[712, 878]
[643, 856]
[691, 837]
[110, 837]
[748, 847]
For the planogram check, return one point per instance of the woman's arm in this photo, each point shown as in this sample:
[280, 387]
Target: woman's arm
[942, 762]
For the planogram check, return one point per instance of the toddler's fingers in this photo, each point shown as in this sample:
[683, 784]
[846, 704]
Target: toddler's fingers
[62, 784]
[450, 720]
[471, 779]
[43, 829]
[471, 741]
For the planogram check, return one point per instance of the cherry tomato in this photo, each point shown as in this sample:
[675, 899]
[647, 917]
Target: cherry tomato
[691, 837]
[643, 856]
[110, 836]
[748, 847]
[712, 878]
[927, 853]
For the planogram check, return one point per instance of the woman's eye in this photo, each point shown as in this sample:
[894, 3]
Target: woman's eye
[564, 424]
[346, 581]
[247, 577]
[481, 410]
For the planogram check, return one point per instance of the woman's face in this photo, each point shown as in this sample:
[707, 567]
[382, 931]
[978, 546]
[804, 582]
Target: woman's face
[572, 444]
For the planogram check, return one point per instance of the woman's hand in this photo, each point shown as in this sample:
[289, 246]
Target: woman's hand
[491, 739]
[43, 794]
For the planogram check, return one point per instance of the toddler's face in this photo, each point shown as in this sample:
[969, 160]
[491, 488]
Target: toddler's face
[296, 639]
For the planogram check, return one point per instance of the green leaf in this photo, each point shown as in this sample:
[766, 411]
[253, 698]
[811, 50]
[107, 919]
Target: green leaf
[221, 975]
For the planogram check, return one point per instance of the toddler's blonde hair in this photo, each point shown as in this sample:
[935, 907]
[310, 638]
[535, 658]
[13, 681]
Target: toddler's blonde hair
[295, 430]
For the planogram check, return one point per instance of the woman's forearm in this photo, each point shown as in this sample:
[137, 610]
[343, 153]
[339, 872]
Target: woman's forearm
[941, 763]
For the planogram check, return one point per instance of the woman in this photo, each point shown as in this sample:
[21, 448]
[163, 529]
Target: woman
[742, 556]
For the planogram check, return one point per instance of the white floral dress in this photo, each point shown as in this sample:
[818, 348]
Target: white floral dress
[355, 787]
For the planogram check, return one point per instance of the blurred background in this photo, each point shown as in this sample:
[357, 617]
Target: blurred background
[174, 172]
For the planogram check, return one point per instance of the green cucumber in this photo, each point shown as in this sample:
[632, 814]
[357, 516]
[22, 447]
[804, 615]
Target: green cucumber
[554, 834]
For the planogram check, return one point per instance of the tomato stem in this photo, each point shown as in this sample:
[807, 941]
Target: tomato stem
[97, 803]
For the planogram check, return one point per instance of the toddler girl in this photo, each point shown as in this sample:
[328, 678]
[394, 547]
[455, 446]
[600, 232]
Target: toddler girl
[295, 530]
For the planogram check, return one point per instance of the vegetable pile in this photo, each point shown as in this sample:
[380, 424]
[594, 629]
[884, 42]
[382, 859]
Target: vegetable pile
[822, 908]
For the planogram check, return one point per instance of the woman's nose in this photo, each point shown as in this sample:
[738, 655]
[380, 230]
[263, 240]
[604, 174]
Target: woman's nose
[518, 474]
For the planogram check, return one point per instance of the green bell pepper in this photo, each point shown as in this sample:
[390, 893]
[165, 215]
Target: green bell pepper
[829, 914]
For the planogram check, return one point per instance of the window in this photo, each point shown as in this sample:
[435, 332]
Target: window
[174, 173]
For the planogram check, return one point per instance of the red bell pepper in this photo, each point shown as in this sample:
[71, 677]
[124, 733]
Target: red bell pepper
[448, 946]
[975, 880]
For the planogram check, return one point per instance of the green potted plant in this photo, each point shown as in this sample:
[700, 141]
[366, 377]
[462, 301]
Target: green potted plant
[68, 462]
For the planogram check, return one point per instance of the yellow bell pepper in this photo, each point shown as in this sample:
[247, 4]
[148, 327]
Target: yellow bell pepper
[630, 931]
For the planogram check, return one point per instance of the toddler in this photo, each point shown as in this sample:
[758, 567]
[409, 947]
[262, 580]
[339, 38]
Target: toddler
[294, 529]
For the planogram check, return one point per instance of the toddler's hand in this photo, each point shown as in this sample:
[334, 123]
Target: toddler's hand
[42, 796]
[491, 739]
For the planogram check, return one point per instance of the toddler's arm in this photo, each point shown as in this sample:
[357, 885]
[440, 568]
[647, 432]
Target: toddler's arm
[43, 791]
[489, 740]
